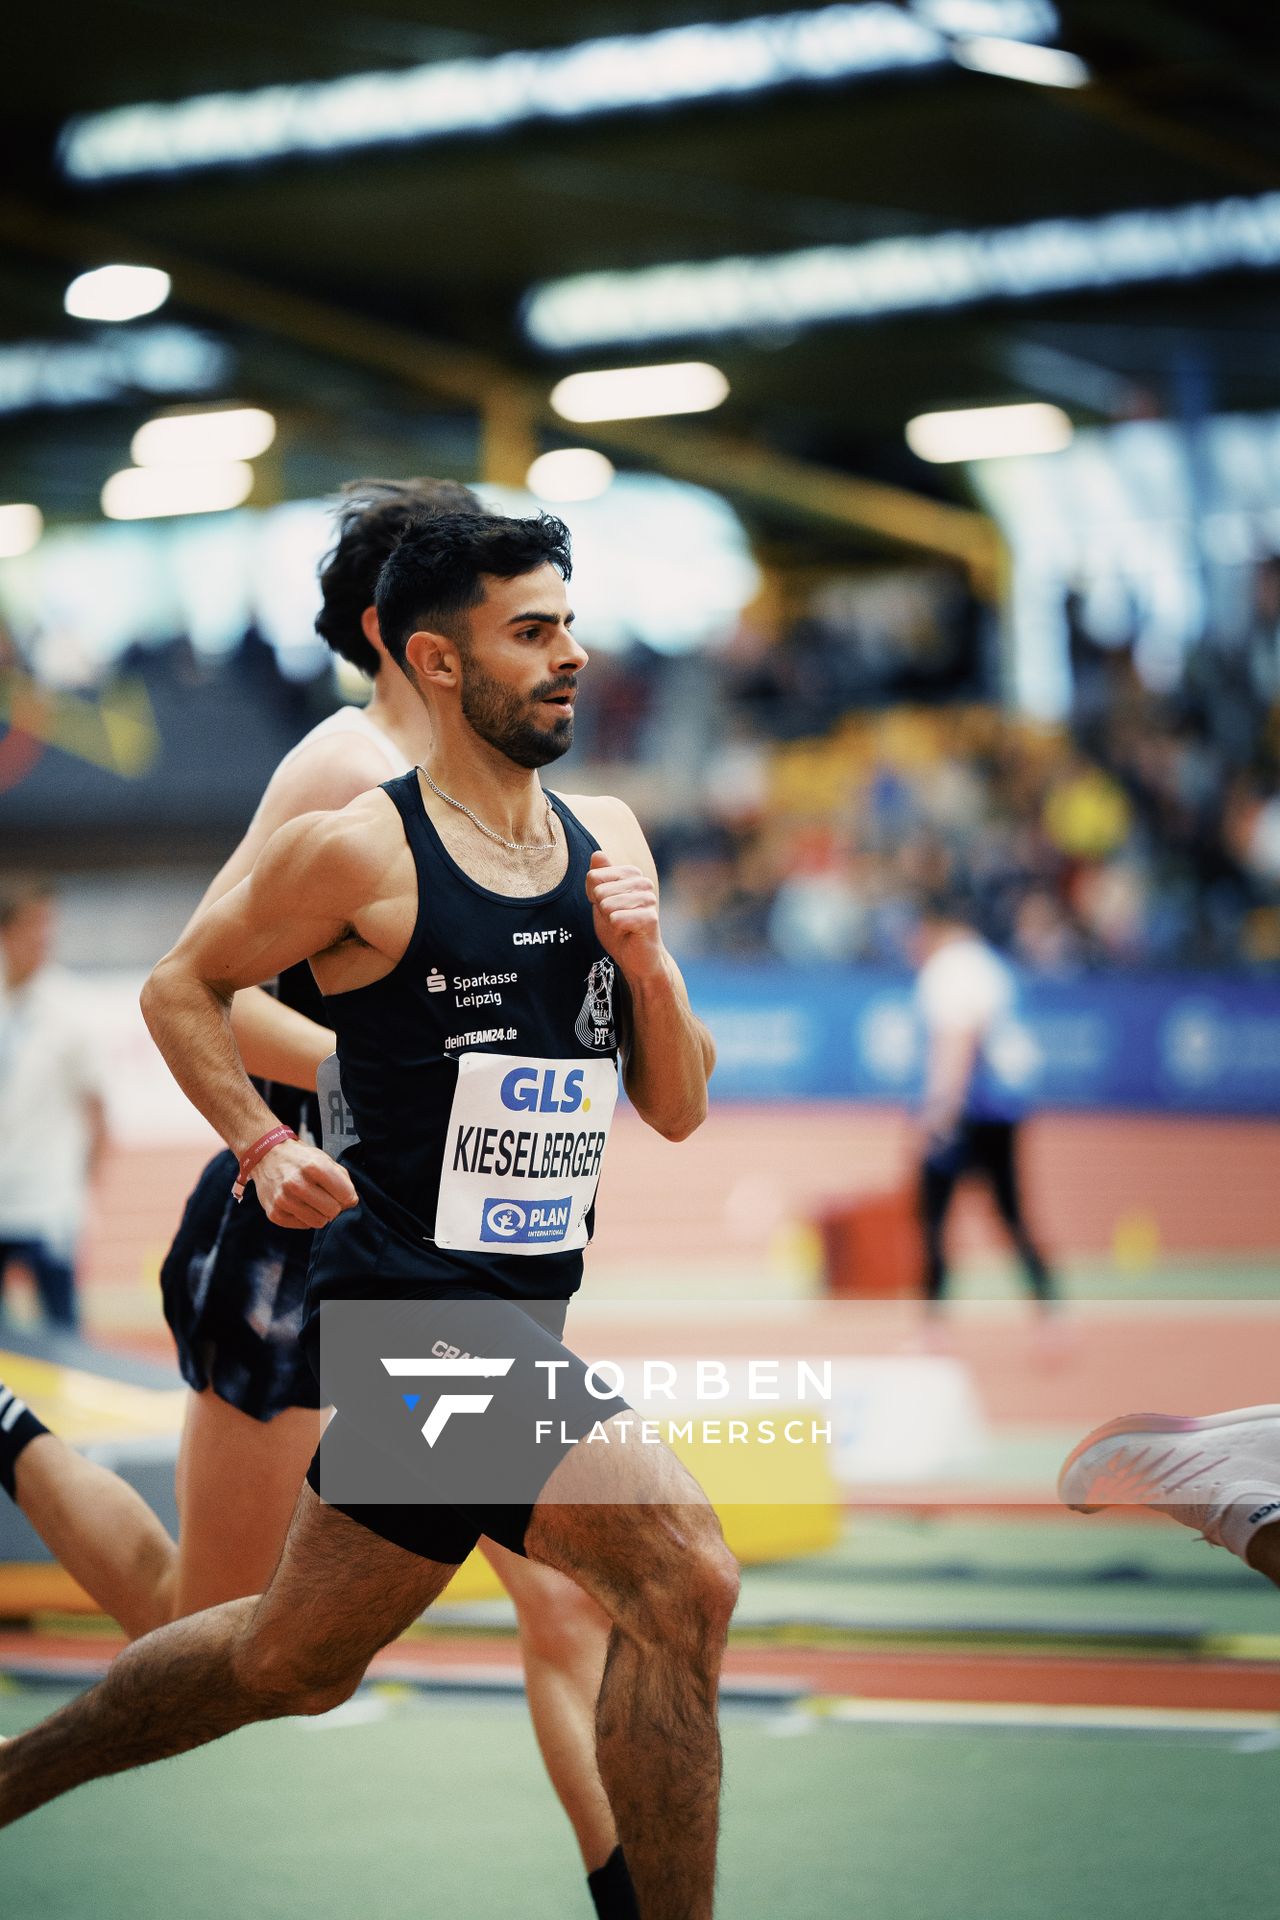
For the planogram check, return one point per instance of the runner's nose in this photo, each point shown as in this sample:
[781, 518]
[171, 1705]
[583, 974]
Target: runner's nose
[573, 656]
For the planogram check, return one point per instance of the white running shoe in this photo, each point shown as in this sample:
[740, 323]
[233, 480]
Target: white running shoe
[1219, 1475]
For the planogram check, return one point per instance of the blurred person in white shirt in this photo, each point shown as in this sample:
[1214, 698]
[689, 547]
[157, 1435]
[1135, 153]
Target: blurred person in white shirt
[977, 1055]
[52, 1105]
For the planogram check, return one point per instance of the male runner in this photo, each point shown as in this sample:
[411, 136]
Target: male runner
[417, 884]
[233, 1281]
[1218, 1474]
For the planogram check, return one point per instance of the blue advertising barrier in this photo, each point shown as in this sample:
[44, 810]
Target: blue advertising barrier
[1182, 1043]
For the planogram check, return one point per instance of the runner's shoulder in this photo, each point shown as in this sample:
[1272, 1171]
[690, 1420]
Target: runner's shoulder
[322, 774]
[338, 856]
[611, 822]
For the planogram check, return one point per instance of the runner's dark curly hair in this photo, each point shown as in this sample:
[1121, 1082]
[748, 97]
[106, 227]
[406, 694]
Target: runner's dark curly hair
[437, 570]
[372, 515]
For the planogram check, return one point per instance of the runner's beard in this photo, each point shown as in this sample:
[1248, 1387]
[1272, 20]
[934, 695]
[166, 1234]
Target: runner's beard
[506, 720]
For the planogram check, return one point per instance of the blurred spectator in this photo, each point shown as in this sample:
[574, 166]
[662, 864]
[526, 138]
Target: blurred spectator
[796, 810]
[818, 912]
[52, 1104]
[1086, 814]
[1044, 940]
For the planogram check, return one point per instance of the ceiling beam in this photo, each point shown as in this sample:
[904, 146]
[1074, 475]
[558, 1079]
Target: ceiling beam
[803, 490]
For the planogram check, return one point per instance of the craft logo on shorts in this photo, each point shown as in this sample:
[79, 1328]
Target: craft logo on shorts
[519, 1222]
[594, 1025]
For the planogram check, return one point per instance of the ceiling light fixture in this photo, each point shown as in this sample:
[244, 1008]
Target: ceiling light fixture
[158, 493]
[908, 274]
[640, 393]
[195, 439]
[1016, 60]
[20, 528]
[989, 433]
[114, 364]
[704, 60]
[116, 293]
[570, 473]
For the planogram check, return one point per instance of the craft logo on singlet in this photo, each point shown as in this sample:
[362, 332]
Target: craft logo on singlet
[594, 1025]
[520, 1222]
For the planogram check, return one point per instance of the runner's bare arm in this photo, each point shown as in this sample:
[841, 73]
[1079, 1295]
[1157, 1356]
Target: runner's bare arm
[274, 1041]
[303, 897]
[277, 1042]
[668, 1055]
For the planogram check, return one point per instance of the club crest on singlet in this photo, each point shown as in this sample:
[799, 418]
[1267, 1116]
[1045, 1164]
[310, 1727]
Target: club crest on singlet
[594, 1025]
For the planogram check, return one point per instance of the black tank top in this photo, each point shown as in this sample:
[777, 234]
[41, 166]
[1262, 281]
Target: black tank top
[481, 1072]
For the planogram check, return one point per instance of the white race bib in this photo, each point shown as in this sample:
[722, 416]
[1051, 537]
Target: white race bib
[523, 1151]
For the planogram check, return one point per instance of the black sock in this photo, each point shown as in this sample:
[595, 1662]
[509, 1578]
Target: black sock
[611, 1889]
[18, 1427]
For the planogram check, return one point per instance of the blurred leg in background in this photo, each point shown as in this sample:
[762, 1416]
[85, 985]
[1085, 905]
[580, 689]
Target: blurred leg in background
[940, 1171]
[52, 1275]
[993, 1149]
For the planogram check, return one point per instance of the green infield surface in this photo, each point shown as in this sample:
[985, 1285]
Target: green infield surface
[406, 1805]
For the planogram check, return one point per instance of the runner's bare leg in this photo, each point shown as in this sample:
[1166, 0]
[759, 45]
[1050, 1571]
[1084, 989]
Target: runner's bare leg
[656, 1561]
[564, 1637]
[111, 1543]
[228, 1546]
[101, 1530]
[339, 1594]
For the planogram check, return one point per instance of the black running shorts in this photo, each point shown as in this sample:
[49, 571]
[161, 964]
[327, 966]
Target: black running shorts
[233, 1286]
[482, 1471]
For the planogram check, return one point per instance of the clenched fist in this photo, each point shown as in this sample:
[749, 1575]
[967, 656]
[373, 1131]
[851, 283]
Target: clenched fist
[625, 906]
[299, 1186]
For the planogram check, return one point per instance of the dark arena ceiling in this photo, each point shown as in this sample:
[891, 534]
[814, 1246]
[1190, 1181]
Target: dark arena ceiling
[372, 296]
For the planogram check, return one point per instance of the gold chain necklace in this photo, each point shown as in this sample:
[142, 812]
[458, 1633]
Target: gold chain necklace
[512, 846]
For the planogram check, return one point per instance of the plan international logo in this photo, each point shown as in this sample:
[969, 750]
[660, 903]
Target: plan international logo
[521, 1222]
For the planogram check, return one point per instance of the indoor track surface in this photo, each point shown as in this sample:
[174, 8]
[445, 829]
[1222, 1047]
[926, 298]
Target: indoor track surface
[946, 1716]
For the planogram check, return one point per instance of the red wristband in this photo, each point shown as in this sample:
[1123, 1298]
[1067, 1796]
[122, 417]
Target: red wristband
[259, 1151]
